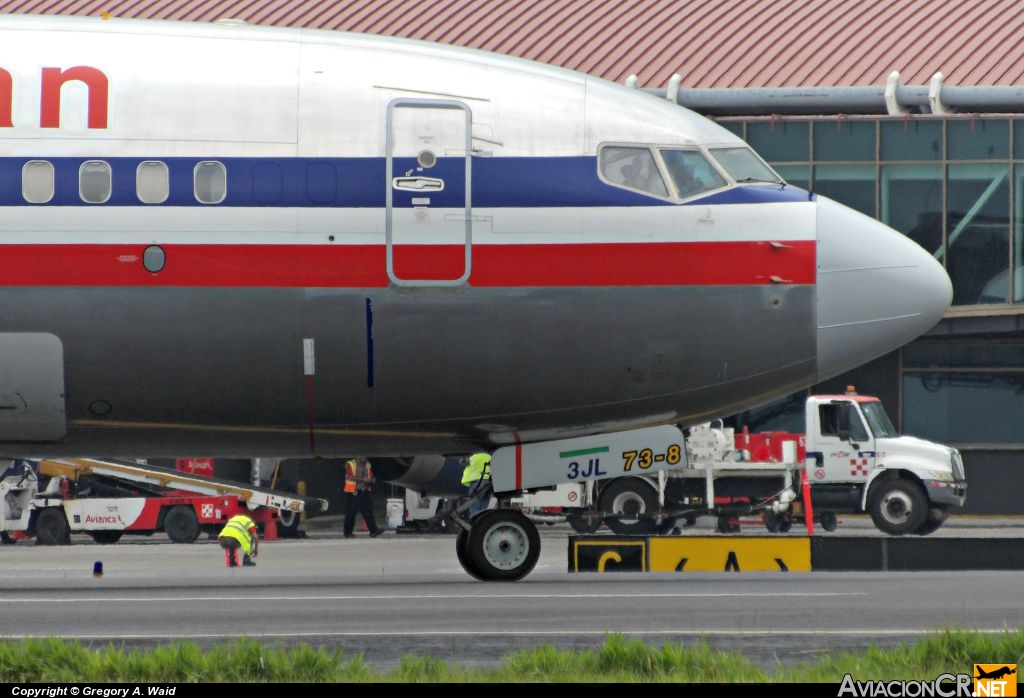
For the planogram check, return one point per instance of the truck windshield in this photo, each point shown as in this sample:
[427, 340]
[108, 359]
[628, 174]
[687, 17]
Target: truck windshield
[878, 420]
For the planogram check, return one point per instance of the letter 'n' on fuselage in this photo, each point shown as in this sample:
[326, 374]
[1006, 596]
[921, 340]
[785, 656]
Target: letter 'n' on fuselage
[6, 97]
[52, 80]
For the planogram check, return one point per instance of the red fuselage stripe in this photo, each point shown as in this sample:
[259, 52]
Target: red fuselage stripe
[363, 266]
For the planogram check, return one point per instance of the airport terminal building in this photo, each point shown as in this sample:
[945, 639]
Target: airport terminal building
[911, 111]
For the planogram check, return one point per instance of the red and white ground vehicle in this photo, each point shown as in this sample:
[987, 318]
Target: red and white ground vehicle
[52, 498]
[854, 461]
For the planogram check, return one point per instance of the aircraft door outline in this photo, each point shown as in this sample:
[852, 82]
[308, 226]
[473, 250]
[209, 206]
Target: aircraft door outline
[428, 229]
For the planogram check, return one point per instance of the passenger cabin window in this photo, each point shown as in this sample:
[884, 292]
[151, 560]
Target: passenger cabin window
[94, 181]
[743, 165]
[37, 181]
[152, 182]
[211, 182]
[691, 172]
[632, 168]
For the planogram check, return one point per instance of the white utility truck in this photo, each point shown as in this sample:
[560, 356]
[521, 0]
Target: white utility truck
[852, 457]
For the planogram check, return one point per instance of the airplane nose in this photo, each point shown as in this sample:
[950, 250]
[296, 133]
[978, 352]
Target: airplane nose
[877, 289]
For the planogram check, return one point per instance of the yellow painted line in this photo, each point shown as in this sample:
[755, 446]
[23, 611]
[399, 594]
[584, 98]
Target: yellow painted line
[747, 554]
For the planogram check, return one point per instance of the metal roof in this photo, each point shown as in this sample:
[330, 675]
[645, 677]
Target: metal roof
[709, 43]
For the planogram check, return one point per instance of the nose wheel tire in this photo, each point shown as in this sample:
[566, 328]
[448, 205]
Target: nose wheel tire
[502, 545]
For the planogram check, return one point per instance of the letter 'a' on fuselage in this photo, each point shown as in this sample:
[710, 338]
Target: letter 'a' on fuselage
[329, 243]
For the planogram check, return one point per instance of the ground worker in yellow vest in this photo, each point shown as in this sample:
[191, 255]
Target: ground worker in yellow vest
[475, 476]
[240, 535]
[358, 500]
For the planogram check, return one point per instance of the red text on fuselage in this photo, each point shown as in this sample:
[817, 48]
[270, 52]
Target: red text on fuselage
[52, 80]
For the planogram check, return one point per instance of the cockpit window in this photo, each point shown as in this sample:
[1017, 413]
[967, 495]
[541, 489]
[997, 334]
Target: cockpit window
[691, 172]
[744, 166]
[633, 168]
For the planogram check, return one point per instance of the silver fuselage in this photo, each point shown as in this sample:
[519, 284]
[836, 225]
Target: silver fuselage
[503, 292]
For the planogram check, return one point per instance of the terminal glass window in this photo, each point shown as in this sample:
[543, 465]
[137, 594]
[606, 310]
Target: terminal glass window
[964, 407]
[962, 392]
[978, 139]
[152, 183]
[853, 185]
[911, 139]
[210, 182]
[734, 126]
[844, 140]
[780, 141]
[911, 202]
[1017, 262]
[797, 175]
[37, 181]
[978, 228]
[94, 181]
[1018, 139]
[632, 168]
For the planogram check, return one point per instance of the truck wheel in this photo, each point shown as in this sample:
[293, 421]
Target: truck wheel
[288, 521]
[828, 521]
[52, 527]
[106, 537]
[898, 507]
[503, 545]
[181, 524]
[625, 502]
[726, 524]
[936, 517]
[584, 523]
[777, 523]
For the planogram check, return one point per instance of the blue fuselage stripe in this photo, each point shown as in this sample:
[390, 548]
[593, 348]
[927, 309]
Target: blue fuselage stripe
[360, 183]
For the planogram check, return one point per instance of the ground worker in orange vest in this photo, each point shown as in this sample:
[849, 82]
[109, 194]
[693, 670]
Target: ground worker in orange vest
[358, 488]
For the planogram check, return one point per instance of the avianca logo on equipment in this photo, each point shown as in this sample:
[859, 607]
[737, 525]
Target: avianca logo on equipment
[51, 82]
[98, 519]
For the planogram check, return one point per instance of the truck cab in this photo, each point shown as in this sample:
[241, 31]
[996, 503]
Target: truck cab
[857, 461]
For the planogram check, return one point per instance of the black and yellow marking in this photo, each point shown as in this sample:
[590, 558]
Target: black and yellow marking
[699, 554]
[608, 554]
[689, 554]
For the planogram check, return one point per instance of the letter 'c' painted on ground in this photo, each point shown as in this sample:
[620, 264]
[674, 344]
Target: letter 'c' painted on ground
[612, 556]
